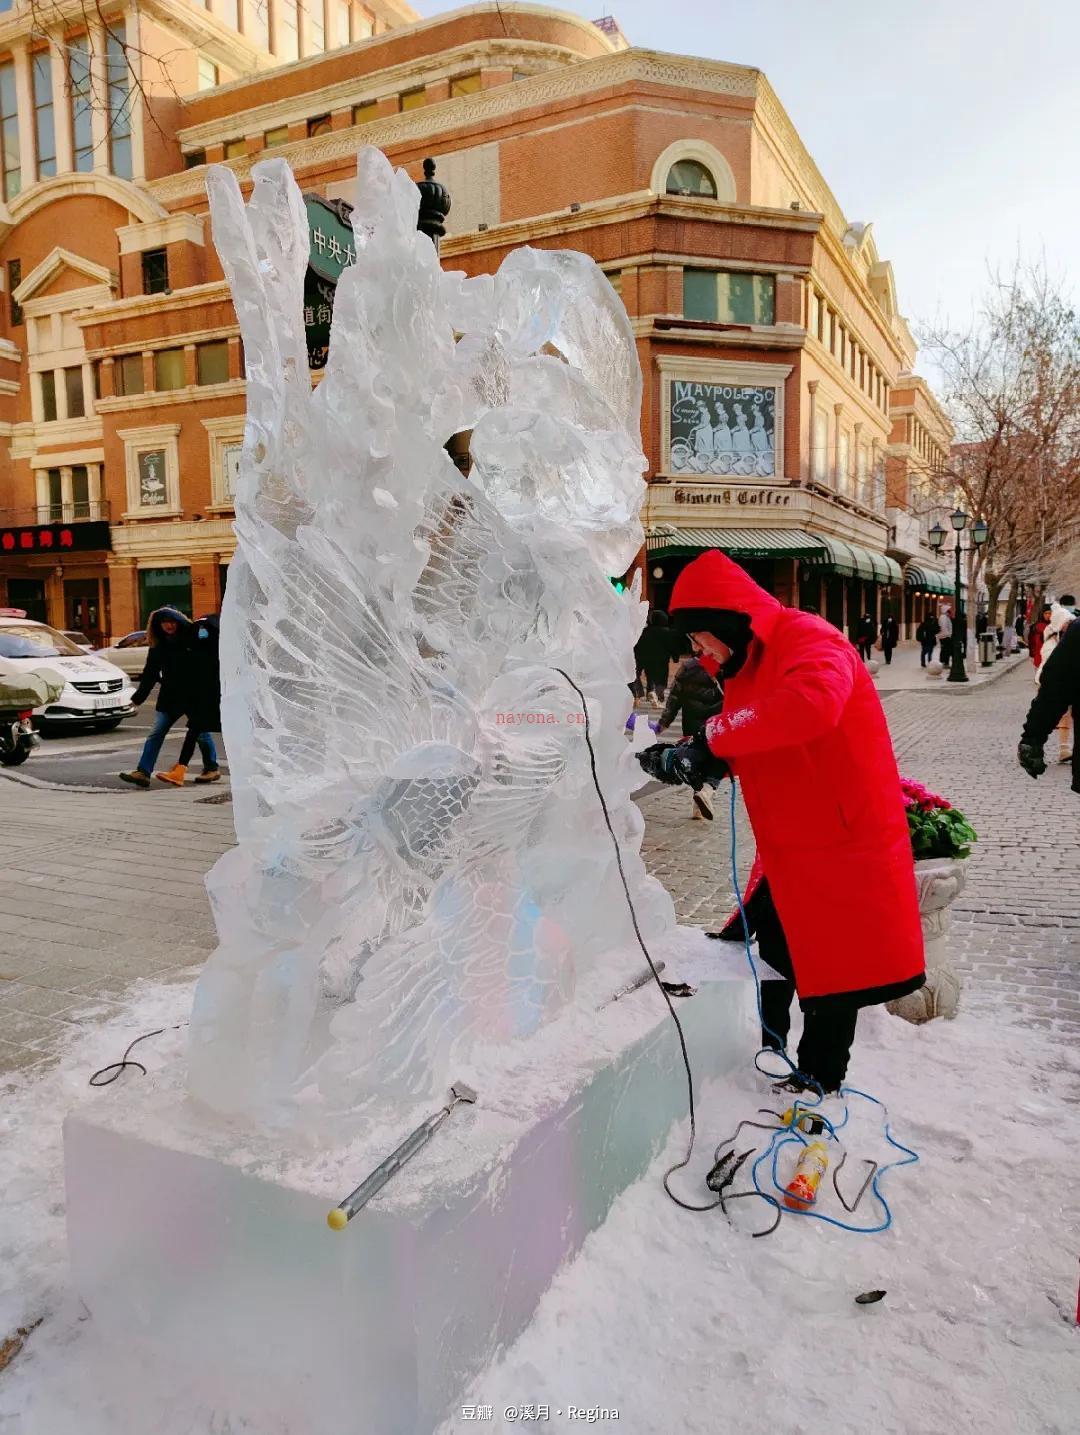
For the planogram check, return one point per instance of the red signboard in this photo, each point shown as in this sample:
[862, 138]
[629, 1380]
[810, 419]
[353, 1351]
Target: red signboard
[54, 538]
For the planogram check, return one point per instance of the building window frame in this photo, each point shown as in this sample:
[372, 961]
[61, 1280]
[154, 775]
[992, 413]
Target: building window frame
[80, 88]
[120, 98]
[44, 114]
[202, 352]
[226, 438]
[154, 264]
[10, 153]
[705, 154]
[768, 286]
[737, 383]
[163, 438]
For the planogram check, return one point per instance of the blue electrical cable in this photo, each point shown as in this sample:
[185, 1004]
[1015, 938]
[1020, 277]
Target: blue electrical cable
[791, 1135]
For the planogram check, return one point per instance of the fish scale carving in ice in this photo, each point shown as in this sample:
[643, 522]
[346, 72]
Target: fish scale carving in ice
[422, 868]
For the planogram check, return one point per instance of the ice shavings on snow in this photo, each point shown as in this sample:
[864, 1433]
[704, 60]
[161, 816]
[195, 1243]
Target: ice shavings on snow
[682, 1321]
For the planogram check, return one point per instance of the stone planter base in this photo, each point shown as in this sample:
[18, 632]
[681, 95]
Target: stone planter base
[940, 880]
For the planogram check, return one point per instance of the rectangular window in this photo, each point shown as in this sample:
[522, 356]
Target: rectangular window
[47, 380]
[288, 37]
[14, 279]
[208, 73]
[96, 370]
[120, 100]
[194, 158]
[56, 496]
[213, 362]
[80, 491]
[319, 126]
[9, 130]
[235, 149]
[44, 120]
[279, 136]
[466, 84]
[155, 271]
[728, 298]
[128, 375]
[169, 372]
[258, 22]
[412, 100]
[82, 104]
[363, 27]
[341, 23]
[164, 588]
[73, 391]
[316, 32]
[365, 113]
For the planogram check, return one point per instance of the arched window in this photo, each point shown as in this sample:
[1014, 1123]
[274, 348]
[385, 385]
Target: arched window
[690, 176]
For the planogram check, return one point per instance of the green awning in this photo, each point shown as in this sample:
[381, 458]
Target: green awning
[851, 560]
[928, 580]
[671, 542]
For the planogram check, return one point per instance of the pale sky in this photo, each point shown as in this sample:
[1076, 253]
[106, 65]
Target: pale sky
[951, 124]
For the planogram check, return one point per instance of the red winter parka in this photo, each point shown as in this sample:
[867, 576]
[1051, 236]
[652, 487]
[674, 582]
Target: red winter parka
[803, 730]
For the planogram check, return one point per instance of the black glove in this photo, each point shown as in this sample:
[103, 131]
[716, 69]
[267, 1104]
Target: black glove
[689, 762]
[1031, 759]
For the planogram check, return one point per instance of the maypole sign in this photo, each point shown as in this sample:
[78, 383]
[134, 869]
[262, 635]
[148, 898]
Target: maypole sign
[332, 251]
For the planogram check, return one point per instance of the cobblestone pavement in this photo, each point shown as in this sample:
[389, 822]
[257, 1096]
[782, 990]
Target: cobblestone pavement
[97, 889]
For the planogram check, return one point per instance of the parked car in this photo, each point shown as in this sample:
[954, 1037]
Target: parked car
[129, 653]
[96, 693]
[79, 639]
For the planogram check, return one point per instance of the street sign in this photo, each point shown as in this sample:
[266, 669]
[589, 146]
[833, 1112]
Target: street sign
[332, 250]
[55, 538]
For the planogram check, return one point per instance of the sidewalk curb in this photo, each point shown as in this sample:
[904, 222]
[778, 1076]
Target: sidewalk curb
[1008, 665]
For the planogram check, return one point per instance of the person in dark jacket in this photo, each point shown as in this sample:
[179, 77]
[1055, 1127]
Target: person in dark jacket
[697, 694]
[890, 635]
[865, 635]
[204, 708]
[170, 665]
[1059, 691]
[653, 654]
[926, 635]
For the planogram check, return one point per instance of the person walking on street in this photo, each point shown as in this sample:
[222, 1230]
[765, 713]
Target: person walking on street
[653, 654]
[833, 898]
[927, 635]
[697, 694]
[1058, 694]
[890, 635]
[1061, 615]
[204, 704]
[169, 664]
[1038, 633]
[945, 631]
[865, 636]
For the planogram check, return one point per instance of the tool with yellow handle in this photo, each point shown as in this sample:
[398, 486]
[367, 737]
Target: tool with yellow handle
[341, 1215]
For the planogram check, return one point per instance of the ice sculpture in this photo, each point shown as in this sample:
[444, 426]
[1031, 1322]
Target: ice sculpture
[422, 868]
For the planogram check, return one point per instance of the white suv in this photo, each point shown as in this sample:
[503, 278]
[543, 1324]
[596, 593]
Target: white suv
[95, 694]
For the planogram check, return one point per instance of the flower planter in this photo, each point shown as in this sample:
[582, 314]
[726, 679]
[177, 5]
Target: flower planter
[940, 881]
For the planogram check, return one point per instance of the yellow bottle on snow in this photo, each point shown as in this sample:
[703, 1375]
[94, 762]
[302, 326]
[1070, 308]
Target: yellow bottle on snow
[801, 1190]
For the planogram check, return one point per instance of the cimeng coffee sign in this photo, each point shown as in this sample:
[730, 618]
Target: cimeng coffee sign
[717, 496]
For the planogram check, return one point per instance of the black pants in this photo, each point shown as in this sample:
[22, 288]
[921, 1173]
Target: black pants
[887, 649]
[829, 1022]
[927, 655]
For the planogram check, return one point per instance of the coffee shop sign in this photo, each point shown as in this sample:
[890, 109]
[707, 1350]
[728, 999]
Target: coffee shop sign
[728, 497]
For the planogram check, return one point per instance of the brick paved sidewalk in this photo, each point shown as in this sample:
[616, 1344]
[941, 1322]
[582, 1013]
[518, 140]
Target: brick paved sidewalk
[96, 890]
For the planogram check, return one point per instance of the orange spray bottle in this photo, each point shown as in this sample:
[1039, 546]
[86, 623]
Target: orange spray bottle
[801, 1190]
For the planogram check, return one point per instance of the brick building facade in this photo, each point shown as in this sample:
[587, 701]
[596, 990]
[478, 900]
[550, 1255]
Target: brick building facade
[779, 411]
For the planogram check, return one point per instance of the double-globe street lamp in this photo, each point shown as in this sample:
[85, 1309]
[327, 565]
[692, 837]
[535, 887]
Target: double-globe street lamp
[979, 533]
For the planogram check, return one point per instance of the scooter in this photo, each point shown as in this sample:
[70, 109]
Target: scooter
[17, 737]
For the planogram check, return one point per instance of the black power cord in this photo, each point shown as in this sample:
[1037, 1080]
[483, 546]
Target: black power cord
[116, 1067]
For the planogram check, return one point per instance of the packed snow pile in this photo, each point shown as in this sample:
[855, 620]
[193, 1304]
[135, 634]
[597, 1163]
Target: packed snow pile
[422, 865]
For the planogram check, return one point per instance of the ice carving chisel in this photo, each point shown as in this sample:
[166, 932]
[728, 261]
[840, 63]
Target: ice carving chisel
[341, 1215]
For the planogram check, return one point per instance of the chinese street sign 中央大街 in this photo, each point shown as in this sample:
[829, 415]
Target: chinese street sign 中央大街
[333, 249]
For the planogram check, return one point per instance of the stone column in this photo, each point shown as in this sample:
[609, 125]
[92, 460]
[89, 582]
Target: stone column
[99, 100]
[131, 31]
[839, 479]
[812, 388]
[58, 61]
[24, 94]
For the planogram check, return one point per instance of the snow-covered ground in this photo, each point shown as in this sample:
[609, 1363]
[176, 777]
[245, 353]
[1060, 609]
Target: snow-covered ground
[681, 1321]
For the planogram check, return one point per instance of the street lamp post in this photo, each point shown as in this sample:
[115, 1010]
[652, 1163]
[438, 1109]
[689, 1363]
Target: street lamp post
[979, 533]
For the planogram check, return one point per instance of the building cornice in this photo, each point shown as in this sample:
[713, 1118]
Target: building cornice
[140, 306]
[191, 393]
[488, 107]
[379, 84]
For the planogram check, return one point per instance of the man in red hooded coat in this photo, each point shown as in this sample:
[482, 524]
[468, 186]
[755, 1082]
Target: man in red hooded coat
[834, 904]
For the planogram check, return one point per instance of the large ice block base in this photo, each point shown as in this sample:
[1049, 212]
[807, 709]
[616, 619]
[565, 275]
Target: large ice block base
[214, 1249]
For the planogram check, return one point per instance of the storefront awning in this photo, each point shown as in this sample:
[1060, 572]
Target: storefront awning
[928, 580]
[851, 560]
[671, 542]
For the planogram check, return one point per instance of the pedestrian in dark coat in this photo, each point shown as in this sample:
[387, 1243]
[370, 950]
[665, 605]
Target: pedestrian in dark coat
[653, 654]
[926, 634]
[170, 664]
[1059, 691]
[890, 635]
[204, 710]
[864, 637]
[698, 695]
